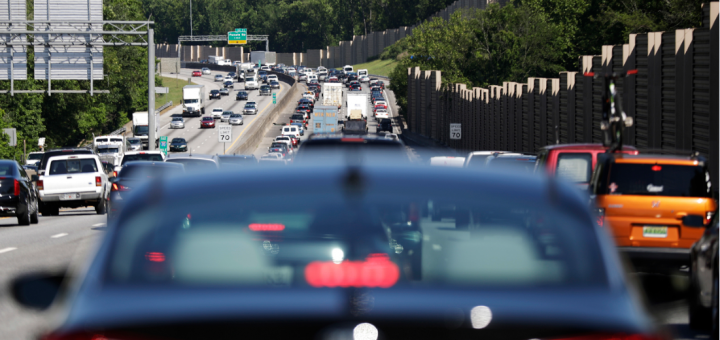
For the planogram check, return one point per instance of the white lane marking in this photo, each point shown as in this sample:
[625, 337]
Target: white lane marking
[59, 235]
[5, 250]
[98, 224]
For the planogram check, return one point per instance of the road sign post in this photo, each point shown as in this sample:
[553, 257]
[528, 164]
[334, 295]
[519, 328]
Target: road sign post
[274, 98]
[224, 135]
[455, 131]
[164, 145]
[238, 37]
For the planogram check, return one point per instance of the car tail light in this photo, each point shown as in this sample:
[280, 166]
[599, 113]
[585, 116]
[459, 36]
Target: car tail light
[98, 181]
[656, 168]
[376, 271]
[266, 227]
[155, 256]
[114, 173]
[601, 216]
[119, 187]
[708, 216]
[16, 188]
[40, 185]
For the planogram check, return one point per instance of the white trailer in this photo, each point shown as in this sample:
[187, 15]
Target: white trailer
[332, 94]
[193, 100]
[267, 58]
[356, 103]
[110, 148]
[141, 128]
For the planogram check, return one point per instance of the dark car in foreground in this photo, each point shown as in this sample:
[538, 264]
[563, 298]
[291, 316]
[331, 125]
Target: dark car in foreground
[361, 256]
[703, 297]
[265, 90]
[214, 94]
[132, 176]
[241, 95]
[18, 196]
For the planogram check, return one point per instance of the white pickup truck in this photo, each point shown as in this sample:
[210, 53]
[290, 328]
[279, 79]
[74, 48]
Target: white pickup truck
[73, 181]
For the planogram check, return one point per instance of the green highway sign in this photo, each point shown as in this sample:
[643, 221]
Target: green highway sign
[239, 37]
[274, 99]
[163, 144]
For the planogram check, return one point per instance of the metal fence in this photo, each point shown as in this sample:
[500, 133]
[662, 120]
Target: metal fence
[673, 99]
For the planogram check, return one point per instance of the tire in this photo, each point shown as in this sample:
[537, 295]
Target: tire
[24, 219]
[101, 208]
[34, 218]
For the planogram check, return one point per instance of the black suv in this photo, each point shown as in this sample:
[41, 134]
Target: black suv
[265, 90]
[385, 125]
[215, 94]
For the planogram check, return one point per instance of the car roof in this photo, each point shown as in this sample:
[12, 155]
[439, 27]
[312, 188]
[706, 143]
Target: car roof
[134, 164]
[583, 146]
[143, 153]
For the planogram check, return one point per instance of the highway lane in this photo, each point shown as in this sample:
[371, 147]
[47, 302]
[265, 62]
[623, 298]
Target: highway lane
[205, 141]
[56, 243]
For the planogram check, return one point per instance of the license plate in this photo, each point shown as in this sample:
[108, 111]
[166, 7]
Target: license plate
[655, 231]
[68, 196]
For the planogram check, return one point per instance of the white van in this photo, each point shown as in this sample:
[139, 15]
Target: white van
[362, 72]
[449, 161]
[251, 82]
[347, 69]
[312, 77]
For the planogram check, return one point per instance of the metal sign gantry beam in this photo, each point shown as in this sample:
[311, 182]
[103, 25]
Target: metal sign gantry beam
[85, 33]
[223, 37]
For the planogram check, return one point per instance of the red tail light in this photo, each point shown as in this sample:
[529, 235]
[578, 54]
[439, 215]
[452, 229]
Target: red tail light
[656, 168]
[266, 227]
[155, 257]
[629, 72]
[376, 271]
[16, 190]
[40, 185]
[98, 181]
[119, 187]
[115, 173]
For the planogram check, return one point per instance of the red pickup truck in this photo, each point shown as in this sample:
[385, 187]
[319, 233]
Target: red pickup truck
[574, 162]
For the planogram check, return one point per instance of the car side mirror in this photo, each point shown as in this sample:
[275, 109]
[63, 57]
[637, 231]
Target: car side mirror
[34, 178]
[37, 291]
[693, 220]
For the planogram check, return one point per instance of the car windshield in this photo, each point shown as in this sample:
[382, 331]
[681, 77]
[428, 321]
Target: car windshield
[35, 156]
[142, 157]
[134, 141]
[575, 167]
[249, 79]
[658, 180]
[227, 113]
[178, 140]
[214, 91]
[69, 166]
[249, 106]
[235, 115]
[328, 238]
[190, 101]
[108, 150]
[207, 119]
[142, 130]
[177, 119]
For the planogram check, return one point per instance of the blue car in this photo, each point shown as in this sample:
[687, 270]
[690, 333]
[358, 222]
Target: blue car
[242, 95]
[178, 144]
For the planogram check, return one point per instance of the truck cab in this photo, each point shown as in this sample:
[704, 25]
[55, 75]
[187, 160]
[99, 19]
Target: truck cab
[251, 82]
[573, 162]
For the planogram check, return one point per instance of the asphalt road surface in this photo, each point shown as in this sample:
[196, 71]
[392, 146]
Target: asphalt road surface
[205, 141]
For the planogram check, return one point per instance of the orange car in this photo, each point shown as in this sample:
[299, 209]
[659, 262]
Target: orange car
[655, 206]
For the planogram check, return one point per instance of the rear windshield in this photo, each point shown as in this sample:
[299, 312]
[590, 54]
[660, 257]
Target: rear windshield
[142, 157]
[7, 170]
[477, 161]
[466, 240]
[71, 166]
[519, 164]
[658, 180]
[35, 156]
[149, 171]
[108, 150]
[575, 167]
[195, 164]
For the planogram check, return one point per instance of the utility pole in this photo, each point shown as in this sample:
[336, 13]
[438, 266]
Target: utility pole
[191, 33]
[151, 89]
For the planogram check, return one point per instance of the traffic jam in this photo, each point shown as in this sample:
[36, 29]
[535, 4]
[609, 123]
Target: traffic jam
[342, 229]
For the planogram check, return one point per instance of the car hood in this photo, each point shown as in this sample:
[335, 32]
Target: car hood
[587, 309]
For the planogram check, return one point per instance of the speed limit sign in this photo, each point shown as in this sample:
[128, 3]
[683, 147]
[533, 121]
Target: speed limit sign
[225, 134]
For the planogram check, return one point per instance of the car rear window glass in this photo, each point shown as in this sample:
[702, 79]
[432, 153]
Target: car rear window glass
[195, 164]
[148, 171]
[35, 156]
[575, 167]
[477, 161]
[515, 163]
[658, 180]
[142, 157]
[71, 166]
[7, 170]
[466, 240]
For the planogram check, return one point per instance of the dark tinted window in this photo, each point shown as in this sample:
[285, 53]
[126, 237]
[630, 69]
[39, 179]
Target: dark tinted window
[7, 170]
[178, 140]
[35, 156]
[658, 180]
[197, 164]
[136, 171]
[514, 163]
[47, 155]
[142, 157]
[575, 167]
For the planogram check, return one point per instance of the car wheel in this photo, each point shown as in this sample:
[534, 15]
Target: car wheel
[24, 219]
[34, 218]
[101, 208]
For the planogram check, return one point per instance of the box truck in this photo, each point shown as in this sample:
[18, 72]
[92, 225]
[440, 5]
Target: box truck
[356, 103]
[325, 119]
[267, 58]
[332, 94]
[141, 128]
[193, 100]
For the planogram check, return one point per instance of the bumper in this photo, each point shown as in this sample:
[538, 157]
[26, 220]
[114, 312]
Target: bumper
[178, 149]
[82, 196]
[657, 259]
[177, 126]
[236, 122]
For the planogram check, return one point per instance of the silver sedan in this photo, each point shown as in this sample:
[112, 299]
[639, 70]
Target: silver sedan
[219, 77]
[177, 123]
[236, 119]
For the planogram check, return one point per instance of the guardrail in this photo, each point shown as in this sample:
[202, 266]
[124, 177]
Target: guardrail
[168, 104]
[118, 131]
[213, 67]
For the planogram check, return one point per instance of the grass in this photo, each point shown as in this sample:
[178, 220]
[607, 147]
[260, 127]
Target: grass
[175, 88]
[378, 67]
